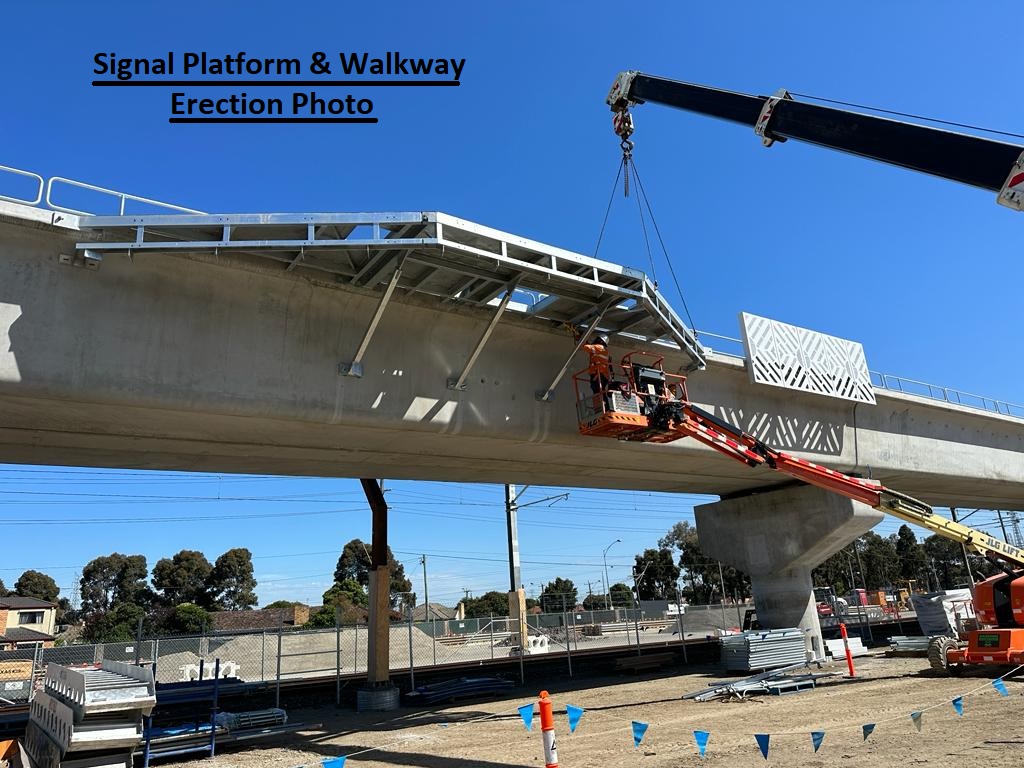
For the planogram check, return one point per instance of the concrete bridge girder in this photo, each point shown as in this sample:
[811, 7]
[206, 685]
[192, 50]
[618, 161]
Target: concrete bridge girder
[219, 363]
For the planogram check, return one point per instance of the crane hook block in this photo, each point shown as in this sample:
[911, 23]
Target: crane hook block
[763, 125]
[622, 123]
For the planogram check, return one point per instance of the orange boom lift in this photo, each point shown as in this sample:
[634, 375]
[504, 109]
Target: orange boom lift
[651, 406]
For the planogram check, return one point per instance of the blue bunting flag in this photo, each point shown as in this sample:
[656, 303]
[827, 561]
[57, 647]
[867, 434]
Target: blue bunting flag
[639, 729]
[574, 714]
[701, 737]
[762, 743]
[526, 712]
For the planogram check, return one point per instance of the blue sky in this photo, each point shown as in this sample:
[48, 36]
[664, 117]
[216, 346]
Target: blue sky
[924, 272]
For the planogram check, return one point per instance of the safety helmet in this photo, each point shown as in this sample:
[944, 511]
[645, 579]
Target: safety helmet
[601, 339]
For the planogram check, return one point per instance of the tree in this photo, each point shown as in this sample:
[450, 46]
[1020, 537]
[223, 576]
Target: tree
[354, 563]
[488, 604]
[835, 572]
[350, 590]
[65, 613]
[558, 593]
[3, 589]
[593, 602]
[656, 574]
[231, 583]
[183, 578]
[345, 602]
[38, 585]
[114, 579]
[621, 596]
[946, 562]
[119, 624]
[913, 562]
[879, 560]
[186, 618]
[281, 604]
[701, 572]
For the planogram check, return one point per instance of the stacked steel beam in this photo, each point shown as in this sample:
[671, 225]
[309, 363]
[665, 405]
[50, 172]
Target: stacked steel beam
[763, 649]
[89, 717]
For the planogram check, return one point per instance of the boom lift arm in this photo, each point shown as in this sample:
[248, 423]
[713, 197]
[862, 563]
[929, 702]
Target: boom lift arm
[726, 439]
[981, 162]
[653, 406]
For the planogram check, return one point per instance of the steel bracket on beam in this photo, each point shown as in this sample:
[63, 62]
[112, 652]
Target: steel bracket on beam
[763, 125]
[87, 258]
[545, 395]
[460, 382]
[355, 367]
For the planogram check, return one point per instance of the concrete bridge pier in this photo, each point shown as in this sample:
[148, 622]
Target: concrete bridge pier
[777, 537]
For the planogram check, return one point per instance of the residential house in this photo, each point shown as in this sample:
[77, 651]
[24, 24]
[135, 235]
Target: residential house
[26, 622]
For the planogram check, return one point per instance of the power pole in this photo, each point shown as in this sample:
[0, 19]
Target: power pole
[1002, 525]
[427, 613]
[426, 594]
[516, 595]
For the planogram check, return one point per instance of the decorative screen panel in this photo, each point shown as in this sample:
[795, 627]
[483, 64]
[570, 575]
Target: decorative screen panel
[787, 356]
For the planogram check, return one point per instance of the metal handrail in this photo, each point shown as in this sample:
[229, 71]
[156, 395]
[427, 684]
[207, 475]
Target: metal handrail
[124, 197]
[907, 386]
[19, 172]
[708, 334]
[45, 189]
[947, 394]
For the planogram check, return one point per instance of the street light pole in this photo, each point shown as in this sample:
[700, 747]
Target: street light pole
[607, 584]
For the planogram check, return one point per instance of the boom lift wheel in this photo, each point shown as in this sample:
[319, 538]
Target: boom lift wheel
[938, 655]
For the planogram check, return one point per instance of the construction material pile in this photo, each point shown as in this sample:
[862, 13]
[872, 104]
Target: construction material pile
[902, 645]
[777, 682]
[89, 717]
[765, 649]
[837, 649]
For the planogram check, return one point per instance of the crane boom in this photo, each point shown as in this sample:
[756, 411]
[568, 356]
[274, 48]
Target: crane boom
[978, 161]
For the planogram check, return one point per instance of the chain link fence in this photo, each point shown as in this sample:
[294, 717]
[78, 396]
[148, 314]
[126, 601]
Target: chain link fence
[285, 654]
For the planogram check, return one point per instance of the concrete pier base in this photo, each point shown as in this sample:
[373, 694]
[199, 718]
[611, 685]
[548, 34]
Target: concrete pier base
[777, 538]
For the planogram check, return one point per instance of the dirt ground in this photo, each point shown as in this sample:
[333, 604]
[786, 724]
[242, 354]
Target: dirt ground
[491, 734]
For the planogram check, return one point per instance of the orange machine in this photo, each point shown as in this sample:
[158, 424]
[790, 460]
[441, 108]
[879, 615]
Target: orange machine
[649, 405]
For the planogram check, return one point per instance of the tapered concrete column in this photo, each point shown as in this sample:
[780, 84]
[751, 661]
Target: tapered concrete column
[777, 538]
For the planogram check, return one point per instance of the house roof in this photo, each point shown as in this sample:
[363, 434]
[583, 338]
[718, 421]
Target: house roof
[21, 635]
[17, 601]
[437, 611]
[266, 618]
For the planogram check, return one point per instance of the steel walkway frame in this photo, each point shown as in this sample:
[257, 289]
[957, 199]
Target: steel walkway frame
[431, 254]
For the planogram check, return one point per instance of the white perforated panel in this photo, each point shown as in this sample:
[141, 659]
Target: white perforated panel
[787, 356]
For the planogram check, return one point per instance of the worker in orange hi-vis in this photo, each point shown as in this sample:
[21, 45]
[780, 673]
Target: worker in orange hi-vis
[600, 364]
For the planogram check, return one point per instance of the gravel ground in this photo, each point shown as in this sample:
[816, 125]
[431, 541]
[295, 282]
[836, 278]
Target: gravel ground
[491, 734]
